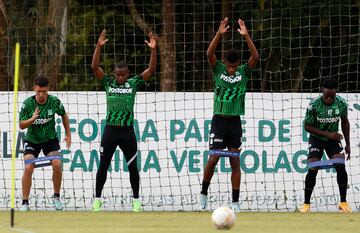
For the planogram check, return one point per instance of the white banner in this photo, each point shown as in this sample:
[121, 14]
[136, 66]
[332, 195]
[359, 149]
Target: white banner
[173, 133]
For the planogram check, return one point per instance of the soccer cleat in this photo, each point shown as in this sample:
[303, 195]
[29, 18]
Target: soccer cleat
[57, 203]
[24, 208]
[344, 207]
[203, 202]
[305, 208]
[235, 206]
[97, 205]
[136, 204]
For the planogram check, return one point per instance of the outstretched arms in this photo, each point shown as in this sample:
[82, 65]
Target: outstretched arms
[210, 53]
[99, 73]
[254, 54]
[152, 63]
[223, 28]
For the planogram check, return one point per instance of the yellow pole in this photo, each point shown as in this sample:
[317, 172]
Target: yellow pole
[13, 154]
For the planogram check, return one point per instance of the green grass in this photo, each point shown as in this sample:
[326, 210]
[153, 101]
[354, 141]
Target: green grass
[181, 222]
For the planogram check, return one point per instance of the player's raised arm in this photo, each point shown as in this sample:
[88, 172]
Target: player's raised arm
[254, 53]
[210, 53]
[98, 72]
[152, 64]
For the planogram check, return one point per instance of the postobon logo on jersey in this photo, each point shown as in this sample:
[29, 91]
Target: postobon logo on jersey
[120, 90]
[328, 120]
[231, 80]
[41, 121]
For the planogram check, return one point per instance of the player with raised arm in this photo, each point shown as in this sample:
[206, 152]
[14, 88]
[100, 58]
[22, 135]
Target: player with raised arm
[322, 122]
[229, 103]
[119, 131]
[37, 115]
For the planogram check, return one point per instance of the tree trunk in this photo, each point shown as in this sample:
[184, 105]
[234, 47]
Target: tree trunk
[4, 44]
[167, 47]
[54, 47]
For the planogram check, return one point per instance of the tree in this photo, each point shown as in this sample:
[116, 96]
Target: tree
[166, 42]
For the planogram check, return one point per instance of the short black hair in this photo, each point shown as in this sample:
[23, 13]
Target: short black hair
[330, 83]
[41, 81]
[120, 65]
[232, 56]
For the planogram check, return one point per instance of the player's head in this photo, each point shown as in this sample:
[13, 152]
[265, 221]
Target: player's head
[41, 88]
[329, 88]
[121, 72]
[232, 61]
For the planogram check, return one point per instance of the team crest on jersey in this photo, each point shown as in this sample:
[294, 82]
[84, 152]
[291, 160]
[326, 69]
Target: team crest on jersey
[330, 111]
[50, 112]
[127, 85]
[337, 111]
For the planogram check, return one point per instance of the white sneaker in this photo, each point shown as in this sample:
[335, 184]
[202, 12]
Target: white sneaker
[235, 206]
[57, 203]
[203, 202]
[25, 208]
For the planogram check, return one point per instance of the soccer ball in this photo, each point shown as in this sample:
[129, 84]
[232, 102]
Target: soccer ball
[223, 218]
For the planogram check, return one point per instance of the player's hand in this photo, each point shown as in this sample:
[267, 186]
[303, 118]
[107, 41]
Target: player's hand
[152, 42]
[348, 152]
[242, 30]
[223, 26]
[102, 38]
[334, 136]
[68, 141]
[35, 114]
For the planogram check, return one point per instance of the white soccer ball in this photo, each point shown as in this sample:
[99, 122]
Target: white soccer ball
[223, 218]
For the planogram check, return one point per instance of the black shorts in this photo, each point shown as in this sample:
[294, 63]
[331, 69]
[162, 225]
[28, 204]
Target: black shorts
[316, 148]
[226, 132]
[46, 147]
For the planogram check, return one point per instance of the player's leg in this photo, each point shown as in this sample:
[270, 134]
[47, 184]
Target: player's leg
[216, 142]
[335, 150]
[233, 142]
[52, 148]
[31, 151]
[107, 149]
[128, 145]
[315, 152]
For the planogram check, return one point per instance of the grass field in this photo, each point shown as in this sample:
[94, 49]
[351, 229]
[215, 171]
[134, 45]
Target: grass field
[182, 222]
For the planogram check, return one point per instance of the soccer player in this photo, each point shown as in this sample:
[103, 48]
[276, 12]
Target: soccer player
[229, 103]
[37, 115]
[119, 130]
[322, 122]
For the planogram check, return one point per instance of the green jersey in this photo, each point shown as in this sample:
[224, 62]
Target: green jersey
[229, 93]
[120, 99]
[43, 128]
[325, 117]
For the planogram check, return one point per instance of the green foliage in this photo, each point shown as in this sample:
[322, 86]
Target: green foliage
[300, 42]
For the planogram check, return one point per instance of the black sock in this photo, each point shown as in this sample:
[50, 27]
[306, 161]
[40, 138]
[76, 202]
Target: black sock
[235, 195]
[342, 180]
[57, 195]
[25, 202]
[310, 182]
[205, 187]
